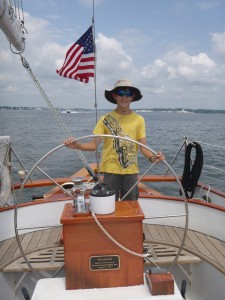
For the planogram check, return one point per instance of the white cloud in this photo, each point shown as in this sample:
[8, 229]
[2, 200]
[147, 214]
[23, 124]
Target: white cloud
[36, 28]
[180, 65]
[181, 77]
[112, 60]
[203, 60]
[218, 43]
[111, 52]
[175, 75]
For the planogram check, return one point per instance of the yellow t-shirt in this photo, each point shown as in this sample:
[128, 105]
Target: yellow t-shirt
[120, 156]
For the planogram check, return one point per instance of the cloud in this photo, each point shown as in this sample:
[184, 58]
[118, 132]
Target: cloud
[180, 67]
[185, 78]
[111, 56]
[218, 43]
[208, 5]
[173, 79]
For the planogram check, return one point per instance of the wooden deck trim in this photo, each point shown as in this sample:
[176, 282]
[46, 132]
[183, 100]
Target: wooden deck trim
[203, 246]
[162, 255]
[31, 242]
[47, 259]
[197, 245]
[47, 182]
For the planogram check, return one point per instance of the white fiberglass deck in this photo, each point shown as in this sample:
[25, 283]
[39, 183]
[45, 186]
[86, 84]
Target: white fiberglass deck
[47, 289]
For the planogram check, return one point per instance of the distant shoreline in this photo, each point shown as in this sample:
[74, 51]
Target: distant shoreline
[179, 110]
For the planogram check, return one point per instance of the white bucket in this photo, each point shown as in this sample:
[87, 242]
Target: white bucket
[102, 205]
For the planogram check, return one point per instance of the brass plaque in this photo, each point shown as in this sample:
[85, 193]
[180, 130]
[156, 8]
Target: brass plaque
[104, 262]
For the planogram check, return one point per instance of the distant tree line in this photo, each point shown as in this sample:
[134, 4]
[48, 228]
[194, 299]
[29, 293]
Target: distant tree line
[205, 111]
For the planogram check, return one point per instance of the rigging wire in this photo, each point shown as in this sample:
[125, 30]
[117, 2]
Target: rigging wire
[21, 7]
[16, 11]
[56, 115]
[15, 7]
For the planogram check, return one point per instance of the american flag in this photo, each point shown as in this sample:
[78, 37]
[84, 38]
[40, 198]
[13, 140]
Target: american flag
[79, 60]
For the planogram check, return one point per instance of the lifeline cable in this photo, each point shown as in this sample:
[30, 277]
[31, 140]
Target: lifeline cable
[56, 115]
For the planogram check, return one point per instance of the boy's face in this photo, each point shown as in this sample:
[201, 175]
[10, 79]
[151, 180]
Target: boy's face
[123, 97]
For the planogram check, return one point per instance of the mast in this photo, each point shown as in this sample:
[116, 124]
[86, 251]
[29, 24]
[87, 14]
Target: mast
[95, 57]
[97, 153]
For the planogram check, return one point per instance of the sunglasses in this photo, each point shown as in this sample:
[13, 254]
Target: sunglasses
[126, 93]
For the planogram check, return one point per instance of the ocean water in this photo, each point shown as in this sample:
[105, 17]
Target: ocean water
[34, 133]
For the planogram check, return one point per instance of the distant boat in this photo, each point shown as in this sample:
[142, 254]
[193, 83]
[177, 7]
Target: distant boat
[144, 110]
[183, 111]
[68, 111]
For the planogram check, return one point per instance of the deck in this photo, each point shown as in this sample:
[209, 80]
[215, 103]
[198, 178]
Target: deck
[200, 245]
[42, 248]
[45, 252]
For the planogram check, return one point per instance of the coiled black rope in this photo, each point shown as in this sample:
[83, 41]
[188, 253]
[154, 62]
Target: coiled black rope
[192, 170]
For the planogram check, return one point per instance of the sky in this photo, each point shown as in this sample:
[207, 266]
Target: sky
[172, 50]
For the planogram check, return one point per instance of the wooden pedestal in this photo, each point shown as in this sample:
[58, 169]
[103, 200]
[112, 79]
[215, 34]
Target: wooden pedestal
[160, 284]
[92, 260]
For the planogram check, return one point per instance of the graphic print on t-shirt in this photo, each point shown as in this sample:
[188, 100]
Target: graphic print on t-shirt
[125, 149]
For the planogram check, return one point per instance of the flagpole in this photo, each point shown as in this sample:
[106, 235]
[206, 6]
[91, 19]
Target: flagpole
[95, 58]
[95, 88]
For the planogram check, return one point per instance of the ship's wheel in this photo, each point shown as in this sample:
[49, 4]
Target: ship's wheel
[36, 166]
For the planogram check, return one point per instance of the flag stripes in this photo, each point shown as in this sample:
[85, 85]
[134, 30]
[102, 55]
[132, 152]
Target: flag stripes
[79, 62]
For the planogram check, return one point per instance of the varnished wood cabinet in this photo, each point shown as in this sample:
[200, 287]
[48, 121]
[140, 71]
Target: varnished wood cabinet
[92, 260]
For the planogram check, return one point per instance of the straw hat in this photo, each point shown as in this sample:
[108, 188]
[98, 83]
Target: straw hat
[123, 83]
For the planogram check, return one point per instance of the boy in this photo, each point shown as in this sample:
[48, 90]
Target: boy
[119, 157]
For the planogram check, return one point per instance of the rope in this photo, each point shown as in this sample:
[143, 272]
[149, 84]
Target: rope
[115, 241]
[56, 115]
[190, 176]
